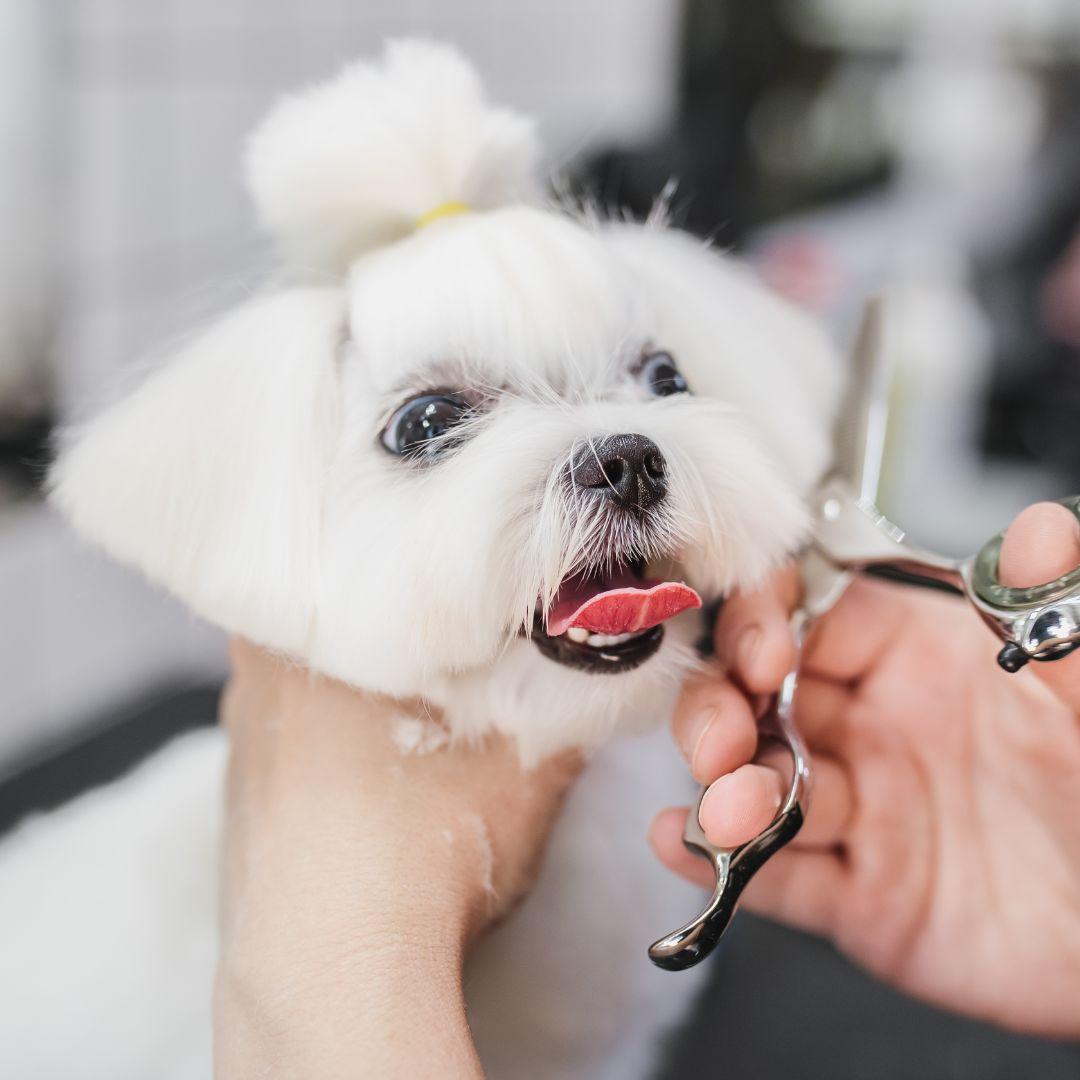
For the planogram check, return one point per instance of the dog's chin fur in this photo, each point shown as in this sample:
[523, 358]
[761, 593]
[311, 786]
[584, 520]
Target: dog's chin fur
[545, 706]
[247, 476]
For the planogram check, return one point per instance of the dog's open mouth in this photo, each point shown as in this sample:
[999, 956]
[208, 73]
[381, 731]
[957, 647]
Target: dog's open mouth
[610, 623]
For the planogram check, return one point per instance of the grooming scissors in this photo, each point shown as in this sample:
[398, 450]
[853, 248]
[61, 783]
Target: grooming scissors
[850, 534]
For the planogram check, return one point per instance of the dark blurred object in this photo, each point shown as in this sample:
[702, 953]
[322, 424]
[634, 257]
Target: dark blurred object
[784, 1006]
[102, 752]
[24, 448]
[747, 85]
[1031, 293]
[34, 226]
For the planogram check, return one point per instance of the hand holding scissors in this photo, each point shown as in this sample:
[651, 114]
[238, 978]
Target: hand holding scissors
[850, 534]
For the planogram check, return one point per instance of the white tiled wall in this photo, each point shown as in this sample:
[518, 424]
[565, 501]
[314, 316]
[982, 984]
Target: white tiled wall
[156, 96]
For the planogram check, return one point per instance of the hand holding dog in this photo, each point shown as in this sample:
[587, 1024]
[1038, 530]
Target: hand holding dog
[357, 877]
[942, 847]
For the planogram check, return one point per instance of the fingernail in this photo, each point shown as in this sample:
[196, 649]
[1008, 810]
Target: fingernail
[746, 648]
[707, 723]
[695, 732]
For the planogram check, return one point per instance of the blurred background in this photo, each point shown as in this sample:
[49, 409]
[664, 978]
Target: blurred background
[930, 148]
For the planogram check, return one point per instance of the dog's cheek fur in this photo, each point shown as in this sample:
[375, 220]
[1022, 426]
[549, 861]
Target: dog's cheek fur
[738, 343]
[432, 569]
[209, 477]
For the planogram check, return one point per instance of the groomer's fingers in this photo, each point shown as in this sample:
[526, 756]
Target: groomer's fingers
[1041, 544]
[851, 638]
[714, 727]
[804, 889]
[798, 887]
[752, 634]
[741, 804]
[823, 714]
[832, 807]
[665, 838]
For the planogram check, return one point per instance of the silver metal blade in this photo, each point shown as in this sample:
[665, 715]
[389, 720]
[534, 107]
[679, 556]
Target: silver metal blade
[859, 441]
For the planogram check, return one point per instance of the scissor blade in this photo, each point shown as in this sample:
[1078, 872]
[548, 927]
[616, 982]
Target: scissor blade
[859, 442]
[824, 582]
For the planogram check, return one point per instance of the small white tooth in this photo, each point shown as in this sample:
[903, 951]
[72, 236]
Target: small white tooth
[600, 641]
[578, 634]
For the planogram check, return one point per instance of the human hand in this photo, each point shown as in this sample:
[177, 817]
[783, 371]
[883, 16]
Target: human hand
[942, 845]
[356, 877]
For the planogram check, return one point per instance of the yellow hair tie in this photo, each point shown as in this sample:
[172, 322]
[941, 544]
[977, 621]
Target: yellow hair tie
[446, 209]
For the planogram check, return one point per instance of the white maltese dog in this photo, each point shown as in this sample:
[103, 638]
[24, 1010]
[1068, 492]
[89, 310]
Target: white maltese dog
[492, 455]
[492, 461]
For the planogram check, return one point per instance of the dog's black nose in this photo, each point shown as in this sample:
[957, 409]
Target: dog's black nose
[627, 468]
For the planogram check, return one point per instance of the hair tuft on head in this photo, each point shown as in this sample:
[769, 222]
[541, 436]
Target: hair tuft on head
[356, 162]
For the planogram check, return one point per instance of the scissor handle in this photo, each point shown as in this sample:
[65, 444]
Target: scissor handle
[1041, 622]
[734, 867]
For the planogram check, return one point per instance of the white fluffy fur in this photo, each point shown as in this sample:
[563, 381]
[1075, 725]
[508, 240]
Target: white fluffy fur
[248, 478]
[356, 161]
[210, 476]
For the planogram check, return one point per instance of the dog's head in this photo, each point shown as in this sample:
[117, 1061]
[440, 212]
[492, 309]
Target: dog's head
[495, 460]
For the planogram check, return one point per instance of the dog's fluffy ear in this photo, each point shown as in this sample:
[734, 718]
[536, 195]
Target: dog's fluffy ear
[209, 477]
[357, 161]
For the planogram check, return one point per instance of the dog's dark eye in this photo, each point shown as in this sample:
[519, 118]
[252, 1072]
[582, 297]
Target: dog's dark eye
[660, 375]
[416, 426]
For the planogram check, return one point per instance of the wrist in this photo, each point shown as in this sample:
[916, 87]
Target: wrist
[388, 1008]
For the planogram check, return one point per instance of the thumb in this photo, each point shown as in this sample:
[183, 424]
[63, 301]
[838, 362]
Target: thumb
[1041, 544]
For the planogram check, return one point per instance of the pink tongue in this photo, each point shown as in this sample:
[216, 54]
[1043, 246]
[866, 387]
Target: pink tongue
[624, 609]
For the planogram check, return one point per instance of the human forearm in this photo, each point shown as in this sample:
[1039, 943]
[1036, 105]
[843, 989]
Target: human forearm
[397, 1012]
[355, 877]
